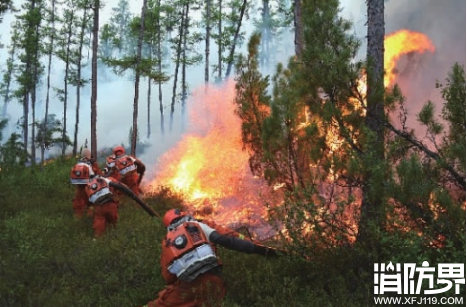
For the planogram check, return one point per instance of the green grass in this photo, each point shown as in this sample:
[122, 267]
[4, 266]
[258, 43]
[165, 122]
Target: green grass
[48, 258]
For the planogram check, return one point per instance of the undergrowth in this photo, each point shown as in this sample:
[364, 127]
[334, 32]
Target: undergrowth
[49, 258]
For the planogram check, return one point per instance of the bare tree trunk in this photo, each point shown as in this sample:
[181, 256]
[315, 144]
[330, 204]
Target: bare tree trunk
[299, 39]
[78, 87]
[184, 64]
[371, 208]
[207, 41]
[95, 43]
[219, 43]
[177, 66]
[49, 69]
[234, 43]
[149, 108]
[265, 34]
[65, 90]
[25, 125]
[34, 96]
[159, 66]
[134, 137]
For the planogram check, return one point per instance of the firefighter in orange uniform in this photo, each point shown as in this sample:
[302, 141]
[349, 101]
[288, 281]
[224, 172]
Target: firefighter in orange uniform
[101, 193]
[111, 169]
[79, 176]
[130, 168]
[189, 261]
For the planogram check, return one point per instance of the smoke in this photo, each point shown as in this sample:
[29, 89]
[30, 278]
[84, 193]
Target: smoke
[444, 22]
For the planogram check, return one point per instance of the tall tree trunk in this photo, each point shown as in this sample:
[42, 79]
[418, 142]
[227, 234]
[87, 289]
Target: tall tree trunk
[299, 38]
[207, 41]
[49, 69]
[234, 42]
[78, 87]
[265, 34]
[35, 76]
[25, 125]
[184, 64]
[219, 43]
[134, 136]
[177, 66]
[149, 108]
[95, 42]
[66, 78]
[371, 208]
[159, 64]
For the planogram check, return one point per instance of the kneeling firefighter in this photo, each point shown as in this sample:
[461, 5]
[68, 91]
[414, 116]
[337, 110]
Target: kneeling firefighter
[189, 261]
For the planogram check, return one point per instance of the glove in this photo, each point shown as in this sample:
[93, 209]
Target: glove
[264, 251]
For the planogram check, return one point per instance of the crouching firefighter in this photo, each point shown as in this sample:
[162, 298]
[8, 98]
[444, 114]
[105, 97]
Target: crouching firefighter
[79, 176]
[189, 262]
[101, 192]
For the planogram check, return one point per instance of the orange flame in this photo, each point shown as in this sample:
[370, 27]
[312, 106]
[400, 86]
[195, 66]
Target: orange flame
[399, 43]
[208, 166]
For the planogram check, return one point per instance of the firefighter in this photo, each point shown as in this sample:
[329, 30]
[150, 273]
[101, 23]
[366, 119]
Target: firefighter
[101, 193]
[189, 262]
[111, 170]
[79, 176]
[130, 168]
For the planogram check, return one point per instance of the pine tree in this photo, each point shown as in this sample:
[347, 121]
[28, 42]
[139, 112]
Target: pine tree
[30, 68]
[50, 32]
[95, 40]
[67, 41]
[237, 38]
[372, 213]
[78, 64]
[5, 86]
[253, 104]
[330, 146]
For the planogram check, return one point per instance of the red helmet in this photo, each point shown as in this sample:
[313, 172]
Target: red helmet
[119, 150]
[171, 215]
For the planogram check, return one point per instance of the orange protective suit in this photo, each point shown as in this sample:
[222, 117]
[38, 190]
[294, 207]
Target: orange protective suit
[101, 193]
[80, 200]
[207, 289]
[131, 172]
[104, 215]
[101, 196]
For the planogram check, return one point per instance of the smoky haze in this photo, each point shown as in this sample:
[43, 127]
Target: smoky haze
[442, 21]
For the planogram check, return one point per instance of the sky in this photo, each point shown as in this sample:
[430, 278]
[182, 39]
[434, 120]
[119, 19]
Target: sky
[444, 22]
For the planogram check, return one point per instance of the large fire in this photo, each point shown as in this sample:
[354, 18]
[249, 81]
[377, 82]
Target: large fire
[210, 169]
[400, 43]
[208, 166]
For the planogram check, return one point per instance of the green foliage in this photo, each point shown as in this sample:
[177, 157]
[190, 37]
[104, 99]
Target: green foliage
[252, 103]
[319, 144]
[13, 152]
[47, 137]
[47, 258]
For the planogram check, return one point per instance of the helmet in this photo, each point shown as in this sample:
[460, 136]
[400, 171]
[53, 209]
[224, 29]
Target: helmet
[86, 153]
[171, 215]
[119, 150]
